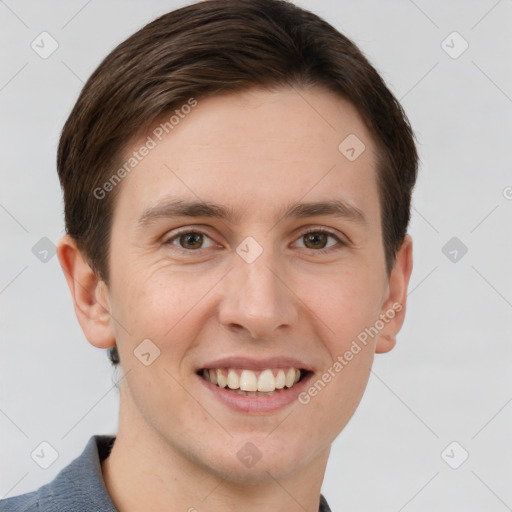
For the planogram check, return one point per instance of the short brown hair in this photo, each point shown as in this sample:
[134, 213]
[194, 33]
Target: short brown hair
[211, 47]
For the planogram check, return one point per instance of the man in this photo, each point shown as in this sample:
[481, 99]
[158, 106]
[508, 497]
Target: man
[237, 182]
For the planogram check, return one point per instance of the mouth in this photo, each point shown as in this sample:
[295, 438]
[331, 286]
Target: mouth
[248, 382]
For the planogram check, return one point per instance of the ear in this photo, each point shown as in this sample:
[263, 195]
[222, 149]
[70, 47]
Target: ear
[393, 309]
[89, 293]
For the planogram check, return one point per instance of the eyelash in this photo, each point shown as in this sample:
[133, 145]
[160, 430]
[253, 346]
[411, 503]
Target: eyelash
[314, 230]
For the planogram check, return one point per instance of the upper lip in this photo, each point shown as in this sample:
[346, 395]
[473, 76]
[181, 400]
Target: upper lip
[257, 364]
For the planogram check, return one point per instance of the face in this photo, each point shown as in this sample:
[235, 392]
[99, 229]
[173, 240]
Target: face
[221, 261]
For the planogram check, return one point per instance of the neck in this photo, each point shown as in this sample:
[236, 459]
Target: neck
[143, 472]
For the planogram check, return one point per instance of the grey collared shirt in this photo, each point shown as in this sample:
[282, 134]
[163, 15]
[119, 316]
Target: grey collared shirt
[79, 487]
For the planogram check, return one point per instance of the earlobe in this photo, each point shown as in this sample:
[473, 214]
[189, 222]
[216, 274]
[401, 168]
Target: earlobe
[385, 343]
[89, 294]
[393, 310]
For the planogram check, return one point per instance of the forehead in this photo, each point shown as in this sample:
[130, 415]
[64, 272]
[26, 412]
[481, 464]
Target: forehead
[254, 152]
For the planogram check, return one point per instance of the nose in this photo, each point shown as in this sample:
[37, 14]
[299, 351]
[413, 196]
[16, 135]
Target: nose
[257, 299]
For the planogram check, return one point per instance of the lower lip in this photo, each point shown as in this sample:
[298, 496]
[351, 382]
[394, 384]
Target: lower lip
[257, 404]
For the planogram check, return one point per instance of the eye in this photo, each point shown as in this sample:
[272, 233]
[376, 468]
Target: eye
[317, 239]
[193, 240]
[189, 240]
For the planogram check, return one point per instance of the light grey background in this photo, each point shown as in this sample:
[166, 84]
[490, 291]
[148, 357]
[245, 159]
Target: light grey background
[449, 377]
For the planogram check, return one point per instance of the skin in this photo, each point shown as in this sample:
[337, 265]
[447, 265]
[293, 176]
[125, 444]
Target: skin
[255, 152]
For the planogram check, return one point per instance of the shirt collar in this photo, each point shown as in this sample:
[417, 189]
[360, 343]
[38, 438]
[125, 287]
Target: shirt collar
[81, 482]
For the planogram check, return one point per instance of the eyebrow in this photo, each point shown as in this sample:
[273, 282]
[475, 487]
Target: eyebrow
[187, 208]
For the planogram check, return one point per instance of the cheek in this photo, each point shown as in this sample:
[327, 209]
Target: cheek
[346, 302]
[349, 385]
[336, 391]
[159, 305]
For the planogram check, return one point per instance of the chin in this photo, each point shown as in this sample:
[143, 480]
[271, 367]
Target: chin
[259, 458]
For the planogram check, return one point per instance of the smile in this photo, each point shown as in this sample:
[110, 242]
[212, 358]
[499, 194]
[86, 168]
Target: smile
[253, 383]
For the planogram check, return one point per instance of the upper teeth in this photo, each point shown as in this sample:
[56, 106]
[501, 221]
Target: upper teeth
[247, 380]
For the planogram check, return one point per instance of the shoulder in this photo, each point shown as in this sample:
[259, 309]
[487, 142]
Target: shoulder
[324, 507]
[28, 502]
[78, 487]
